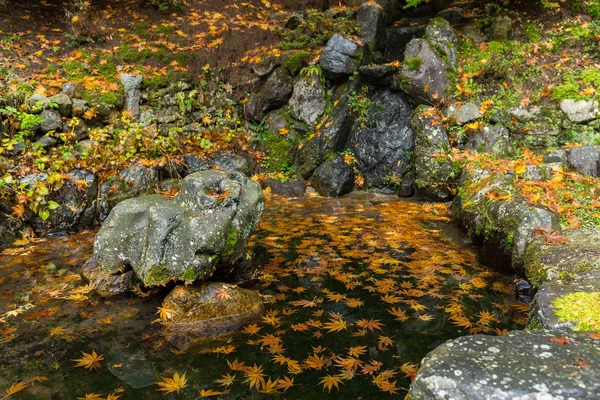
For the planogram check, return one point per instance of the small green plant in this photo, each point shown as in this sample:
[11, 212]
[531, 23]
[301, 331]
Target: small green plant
[165, 5]
[360, 105]
[414, 63]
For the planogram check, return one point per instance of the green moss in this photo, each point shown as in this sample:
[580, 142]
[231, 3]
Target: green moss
[533, 324]
[278, 151]
[582, 308]
[110, 98]
[535, 270]
[231, 241]
[295, 61]
[158, 275]
[189, 275]
[414, 63]
[532, 32]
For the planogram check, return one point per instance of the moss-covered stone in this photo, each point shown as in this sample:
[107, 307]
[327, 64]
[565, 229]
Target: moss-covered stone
[582, 308]
[158, 275]
[295, 61]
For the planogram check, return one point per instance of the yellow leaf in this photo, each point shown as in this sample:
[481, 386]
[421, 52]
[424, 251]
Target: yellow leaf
[175, 384]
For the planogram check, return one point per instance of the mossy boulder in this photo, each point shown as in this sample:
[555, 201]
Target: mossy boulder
[206, 225]
[211, 309]
[489, 206]
[579, 255]
[567, 305]
[434, 169]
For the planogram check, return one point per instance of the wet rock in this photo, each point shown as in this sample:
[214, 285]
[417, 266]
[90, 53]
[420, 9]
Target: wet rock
[398, 37]
[209, 310]
[502, 29]
[580, 110]
[254, 108]
[277, 89]
[133, 368]
[442, 37]
[132, 85]
[233, 162]
[579, 254]
[206, 225]
[377, 75]
[548, 310]
[423, 73]
[9, 229]
[340, 57]
[80, 129]
[434, 170]
[64, 105]
[463, 113]
[371, 21]
[493, 139]
[195, 164]
[289, 189]
[131, 182]
[308, 99]
[333, 137]
[46, 142]
[333, 178]
[107, 284]
[77, 203]
[38, 103]
[585, 160]
[51, 121]
[519, 365]
[384, 147]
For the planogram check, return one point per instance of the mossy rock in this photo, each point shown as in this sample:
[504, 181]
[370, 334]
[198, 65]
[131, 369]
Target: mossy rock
[580, 254]
[209, 310]
[295, 61]
[574, 305]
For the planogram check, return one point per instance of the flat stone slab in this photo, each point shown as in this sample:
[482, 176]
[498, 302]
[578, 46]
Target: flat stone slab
[521, 365]
[544, 311]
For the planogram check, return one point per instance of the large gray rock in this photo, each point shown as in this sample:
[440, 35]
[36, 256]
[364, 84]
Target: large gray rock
[441, 36]
[209, 310]
[424, 73]
[333, 178]
[232, 162]
[434, 169]
[63, 103]
[51, 121]
[254, 108]
[463, 113]
[132, 85]
[131, 182]
[277, 89]
[585, 160]
[37, 103]
[206, 225]
[520, 365]
[377, 75]
[331, 138]
[384, 147]
[308, 99]
[371, 21]
[340, 57]
[493, 139]
[580, 110]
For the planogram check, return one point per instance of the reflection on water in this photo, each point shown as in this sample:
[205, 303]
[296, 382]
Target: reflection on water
[358, 290]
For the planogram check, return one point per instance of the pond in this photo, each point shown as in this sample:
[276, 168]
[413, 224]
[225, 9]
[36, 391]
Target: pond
[357, 291]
